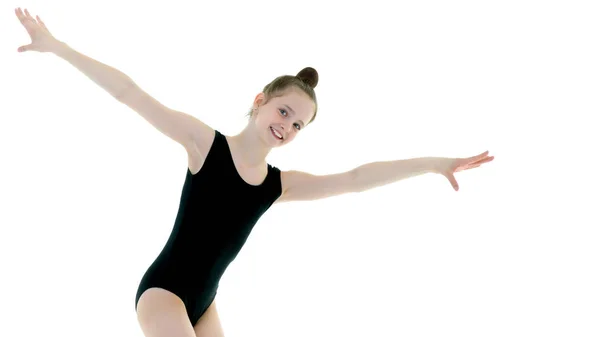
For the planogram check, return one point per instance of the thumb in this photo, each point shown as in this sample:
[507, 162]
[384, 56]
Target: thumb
[452, 180]
[24, 48]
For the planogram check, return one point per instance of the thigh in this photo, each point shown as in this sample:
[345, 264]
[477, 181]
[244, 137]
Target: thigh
[209, 325]
[162, 314]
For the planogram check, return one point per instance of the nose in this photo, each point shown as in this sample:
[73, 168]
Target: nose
[285, 127]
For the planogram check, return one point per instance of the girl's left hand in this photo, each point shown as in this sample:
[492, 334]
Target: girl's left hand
[448, 166]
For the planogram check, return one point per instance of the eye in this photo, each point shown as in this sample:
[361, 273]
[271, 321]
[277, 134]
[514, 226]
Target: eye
[284, 114]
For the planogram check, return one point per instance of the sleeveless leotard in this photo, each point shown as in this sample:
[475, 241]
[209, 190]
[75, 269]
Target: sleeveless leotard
[217, 212]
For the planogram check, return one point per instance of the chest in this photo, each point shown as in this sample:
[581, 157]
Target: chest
[253, 175]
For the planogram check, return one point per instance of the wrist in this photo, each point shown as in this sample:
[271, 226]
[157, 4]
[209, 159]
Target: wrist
[60, 48]
[436, 165]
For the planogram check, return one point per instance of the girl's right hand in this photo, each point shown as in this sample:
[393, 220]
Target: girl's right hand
[41, 39]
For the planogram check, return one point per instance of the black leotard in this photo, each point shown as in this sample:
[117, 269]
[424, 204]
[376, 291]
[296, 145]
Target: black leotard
[217, 212]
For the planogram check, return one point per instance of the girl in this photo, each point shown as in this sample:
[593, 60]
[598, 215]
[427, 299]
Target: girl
[176, 294]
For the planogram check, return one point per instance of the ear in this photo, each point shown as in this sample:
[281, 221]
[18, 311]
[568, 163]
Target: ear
[258, 100]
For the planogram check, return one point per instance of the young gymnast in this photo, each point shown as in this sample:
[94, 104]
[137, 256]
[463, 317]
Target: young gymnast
[176, 296]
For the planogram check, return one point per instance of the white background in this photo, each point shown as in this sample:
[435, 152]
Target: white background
[89, 190]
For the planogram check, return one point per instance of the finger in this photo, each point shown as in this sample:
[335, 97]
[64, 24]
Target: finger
[22, 17]
[479, 156]
[474, 164]
[20, 14]
[471, 167]
[452, 181]
[24, 48]
[28, 15]
[481, 161]
[42, 23]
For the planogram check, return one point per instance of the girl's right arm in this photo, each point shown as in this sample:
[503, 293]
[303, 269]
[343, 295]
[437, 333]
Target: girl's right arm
[181, 127]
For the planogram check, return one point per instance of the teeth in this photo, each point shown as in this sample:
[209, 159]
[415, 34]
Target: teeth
[277, 133]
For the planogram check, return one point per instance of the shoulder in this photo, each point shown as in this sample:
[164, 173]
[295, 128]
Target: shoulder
[203, 140]
[294, 179]
[199, 147]
[288, 178]
[290, 181]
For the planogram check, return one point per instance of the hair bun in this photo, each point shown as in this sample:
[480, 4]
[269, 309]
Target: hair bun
[309, 76]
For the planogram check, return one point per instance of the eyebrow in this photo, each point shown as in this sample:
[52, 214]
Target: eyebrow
[294, 112]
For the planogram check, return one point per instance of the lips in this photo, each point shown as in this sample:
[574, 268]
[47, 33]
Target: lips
[276, 134]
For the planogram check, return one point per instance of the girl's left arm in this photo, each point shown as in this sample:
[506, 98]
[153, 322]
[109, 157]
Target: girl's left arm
[301, 186]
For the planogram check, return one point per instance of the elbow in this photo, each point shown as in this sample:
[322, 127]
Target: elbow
[355, 181]
[129, 90]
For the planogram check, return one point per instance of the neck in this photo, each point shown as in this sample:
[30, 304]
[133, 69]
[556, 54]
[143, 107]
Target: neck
[252, 149]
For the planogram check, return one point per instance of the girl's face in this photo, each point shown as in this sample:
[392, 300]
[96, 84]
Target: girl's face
[282, 118]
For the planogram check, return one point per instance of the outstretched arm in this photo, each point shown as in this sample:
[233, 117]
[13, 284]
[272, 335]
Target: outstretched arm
[304, 186]
[181, 127]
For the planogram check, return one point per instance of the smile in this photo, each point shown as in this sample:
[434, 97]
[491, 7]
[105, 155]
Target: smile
[276, 134]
